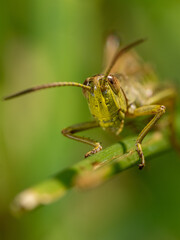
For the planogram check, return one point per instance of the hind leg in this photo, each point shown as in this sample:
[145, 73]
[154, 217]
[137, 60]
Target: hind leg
[157, 111]
[168, 98]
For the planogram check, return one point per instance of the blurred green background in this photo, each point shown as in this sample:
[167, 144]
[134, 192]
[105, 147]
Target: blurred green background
[62, 40]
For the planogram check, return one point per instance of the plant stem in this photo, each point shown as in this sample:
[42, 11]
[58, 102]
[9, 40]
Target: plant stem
[91, 171]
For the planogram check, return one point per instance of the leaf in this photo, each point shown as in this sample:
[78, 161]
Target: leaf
[91, 171]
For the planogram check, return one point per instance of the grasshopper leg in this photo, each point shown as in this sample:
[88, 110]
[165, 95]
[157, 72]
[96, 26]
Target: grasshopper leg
[169, 98]
[120, 128]
[158, 111]
[69, 132]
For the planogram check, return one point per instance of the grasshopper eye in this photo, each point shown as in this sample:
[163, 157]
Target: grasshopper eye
[114, 84]
[111, 80]
[88, 82]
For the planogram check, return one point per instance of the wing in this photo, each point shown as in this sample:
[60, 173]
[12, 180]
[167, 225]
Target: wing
[111, 46]
[137, 78]
[129, 64]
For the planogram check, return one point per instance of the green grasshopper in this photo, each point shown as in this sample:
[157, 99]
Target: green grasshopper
[127, 89]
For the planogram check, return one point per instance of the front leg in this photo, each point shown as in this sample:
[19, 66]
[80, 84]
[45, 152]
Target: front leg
[158, 111]
[69, 132]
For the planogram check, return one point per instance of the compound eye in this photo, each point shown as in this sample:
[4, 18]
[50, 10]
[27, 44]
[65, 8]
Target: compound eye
[110, 79]
[114, 84]
[88, 82]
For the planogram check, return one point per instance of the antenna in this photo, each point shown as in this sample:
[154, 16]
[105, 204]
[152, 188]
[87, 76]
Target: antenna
[49, 85]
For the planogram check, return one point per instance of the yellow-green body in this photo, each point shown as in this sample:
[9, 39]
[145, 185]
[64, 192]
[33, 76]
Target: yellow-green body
[133, 84]
[105, 106]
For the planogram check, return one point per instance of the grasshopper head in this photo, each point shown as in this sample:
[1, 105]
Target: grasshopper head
[105, 98]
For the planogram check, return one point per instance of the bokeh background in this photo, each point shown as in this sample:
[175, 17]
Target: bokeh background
[62, 40]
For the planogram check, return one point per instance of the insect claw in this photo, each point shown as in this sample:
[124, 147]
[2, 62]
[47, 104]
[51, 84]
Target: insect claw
[141, 166]
[87, 154]
[93, 151]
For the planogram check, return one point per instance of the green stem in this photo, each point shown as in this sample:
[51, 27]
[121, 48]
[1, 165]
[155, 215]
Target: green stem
[91, 171]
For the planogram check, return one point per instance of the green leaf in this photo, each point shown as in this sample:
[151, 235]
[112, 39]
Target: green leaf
[91, 171]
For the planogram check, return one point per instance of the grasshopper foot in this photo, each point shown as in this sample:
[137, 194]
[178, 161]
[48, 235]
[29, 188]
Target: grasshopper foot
[94, 150]
[141, 155]
[141, 165]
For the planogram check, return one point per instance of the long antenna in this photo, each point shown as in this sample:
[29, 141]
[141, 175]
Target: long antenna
[120, 53]
[49, 85]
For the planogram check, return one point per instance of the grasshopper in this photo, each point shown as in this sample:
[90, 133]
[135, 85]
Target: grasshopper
[128, 88]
